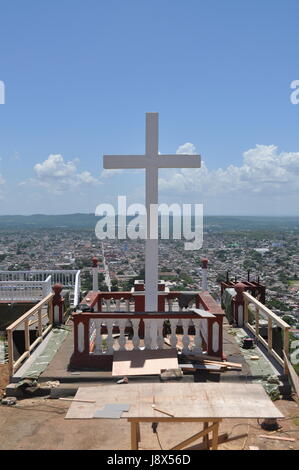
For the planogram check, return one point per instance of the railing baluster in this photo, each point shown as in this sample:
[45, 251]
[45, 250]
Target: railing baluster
[98, 338]
[160, 339]
[147, 333]
[186, 339]
[122, 338]
[173, 336]
[135, 339]
[154, 334]
[197, 349]
[110, 340]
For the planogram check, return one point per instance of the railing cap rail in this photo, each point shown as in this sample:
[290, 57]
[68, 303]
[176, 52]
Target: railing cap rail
[30, 312]
[29, 271]
[129, 315]
[24, 283]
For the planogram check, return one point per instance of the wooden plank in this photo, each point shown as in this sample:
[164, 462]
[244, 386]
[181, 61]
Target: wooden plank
[277, 438]
[207, 367]
[163, 412]
[75, 400]
[215, 361]
[148, 362]
[186, 401]
[198, 435]
[224, 364]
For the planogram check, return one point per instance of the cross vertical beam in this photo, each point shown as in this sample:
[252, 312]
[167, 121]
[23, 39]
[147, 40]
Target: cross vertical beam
[151, 202]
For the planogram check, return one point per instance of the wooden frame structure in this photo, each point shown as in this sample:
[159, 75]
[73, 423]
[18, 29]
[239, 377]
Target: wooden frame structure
[209, 426]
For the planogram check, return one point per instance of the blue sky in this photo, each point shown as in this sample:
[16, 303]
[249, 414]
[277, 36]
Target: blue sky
[80, 75]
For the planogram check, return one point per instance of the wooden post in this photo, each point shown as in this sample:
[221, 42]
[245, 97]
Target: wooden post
[238, 304]
[286, 347]
[10, 352]
[206, 436]
[270, 334]
[58, 304]
[40, 326]
[246, 314]
[134, 435]
[51, 311]
[215, 436]
[257, 321]
[26, 333]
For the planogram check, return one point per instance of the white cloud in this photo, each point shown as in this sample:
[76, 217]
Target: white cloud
[58, 176]
[264, 170]
[110, 173]
[187, 149]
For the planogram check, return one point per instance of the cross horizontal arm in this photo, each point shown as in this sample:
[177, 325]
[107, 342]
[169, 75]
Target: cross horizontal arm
[179, 161]
[113, 162]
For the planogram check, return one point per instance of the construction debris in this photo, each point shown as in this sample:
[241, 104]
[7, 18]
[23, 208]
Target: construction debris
[75, 399]
[9, 401]
[171, 374]
[124, 380]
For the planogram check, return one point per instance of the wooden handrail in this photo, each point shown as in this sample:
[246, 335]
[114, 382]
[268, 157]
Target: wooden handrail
[37, 309]
[30, 312]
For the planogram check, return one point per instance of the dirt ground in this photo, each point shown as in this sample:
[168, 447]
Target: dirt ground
[39, 424]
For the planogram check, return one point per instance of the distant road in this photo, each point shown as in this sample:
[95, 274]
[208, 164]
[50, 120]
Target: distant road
[106, 267]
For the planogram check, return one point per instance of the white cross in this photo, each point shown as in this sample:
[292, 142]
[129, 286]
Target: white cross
[151, 162]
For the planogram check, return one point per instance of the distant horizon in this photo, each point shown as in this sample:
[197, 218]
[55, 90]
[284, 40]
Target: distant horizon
[205, 215]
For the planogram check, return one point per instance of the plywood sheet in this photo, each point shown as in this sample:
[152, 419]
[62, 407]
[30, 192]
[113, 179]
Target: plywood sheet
[148, 362]
[184, 400]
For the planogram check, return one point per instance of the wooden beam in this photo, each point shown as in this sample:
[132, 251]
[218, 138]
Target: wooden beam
[212, 428]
